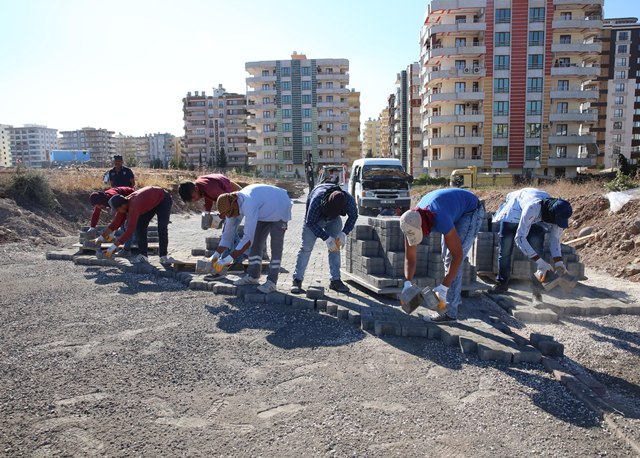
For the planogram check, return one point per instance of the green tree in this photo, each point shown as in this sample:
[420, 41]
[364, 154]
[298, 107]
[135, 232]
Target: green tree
[623, 163]
[131, 162]
[222, 158]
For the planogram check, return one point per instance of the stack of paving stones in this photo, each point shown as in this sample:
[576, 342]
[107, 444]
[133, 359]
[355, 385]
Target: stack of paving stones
[484, 255]
[375, 254]
[152, 235]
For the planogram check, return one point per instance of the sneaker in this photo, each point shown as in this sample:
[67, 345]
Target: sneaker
[246, 280]
[499, 288]
[442, 318]
[296, 287]
[537, 300]
[338, 286]
[140, 258]
[268, 287]
[167, 260]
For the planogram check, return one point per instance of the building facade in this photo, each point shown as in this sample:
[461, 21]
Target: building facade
[407, 120]
[162, 149]
[99, 142]
[621, 91]
[133, 148]
[507, 85]
[385, 146]
[215, 129]
[32, 144]
[298, 108]
[5, 145]
[354, 149]
[371, 138]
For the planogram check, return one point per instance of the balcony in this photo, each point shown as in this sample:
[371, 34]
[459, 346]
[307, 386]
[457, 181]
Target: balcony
[581, 48]
[337, 104]
[571, 161]
[578, 3]
[333, 118]
[453, 96]
[432, 76]
[572, 139]
[447, 140]
[575, 116]
[261, 79]
[332, 77]
[445, 5]
[575, 93]
[452, 163]
[591, 22]
[575, 70]
[261, 93]
[457, 28]
[332, 90]
[471, 117]
[442, 51]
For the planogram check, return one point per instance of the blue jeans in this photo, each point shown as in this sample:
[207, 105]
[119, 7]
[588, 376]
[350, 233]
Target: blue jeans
[467, 228]
[505, 248]
[333, 228]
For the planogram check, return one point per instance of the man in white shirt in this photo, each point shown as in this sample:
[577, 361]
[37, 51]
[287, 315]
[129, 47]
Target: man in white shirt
[525, 217]
[266, 210]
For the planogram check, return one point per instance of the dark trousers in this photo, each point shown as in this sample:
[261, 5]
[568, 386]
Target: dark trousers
[507, 242]
[163, 212]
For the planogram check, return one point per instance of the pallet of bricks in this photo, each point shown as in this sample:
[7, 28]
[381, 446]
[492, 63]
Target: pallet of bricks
[484, 255]
[152, 237]
[375, 258]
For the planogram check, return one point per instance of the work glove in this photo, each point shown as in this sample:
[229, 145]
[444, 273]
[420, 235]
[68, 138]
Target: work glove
[543, 266]
[99, 240]
[214, 257]
[111, 250]
[560, 268]
[407, 285]
[332, 245]
[441, 291]
[342, 240]
[91, 232]
[223, 263]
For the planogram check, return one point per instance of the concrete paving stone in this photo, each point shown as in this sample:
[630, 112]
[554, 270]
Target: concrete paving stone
[468, 345]
[321, 305]
[489, 353]
[367, 322]
[302, 303]
[354, 317]
[592, 384]
[527, 354]
[197, 251]
[363, 232]
[255, 298]
[530, 314]
[564, 377]
[414, 330]
[342, 313]
[433, 332]
[450, 336]
[535, 338]
[275, 298]
[551, 348]
[551, 364]
[315, 292]
[387, 328]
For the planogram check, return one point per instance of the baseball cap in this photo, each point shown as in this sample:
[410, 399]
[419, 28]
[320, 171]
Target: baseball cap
[411, 226]
[117, 157]
[562, 210]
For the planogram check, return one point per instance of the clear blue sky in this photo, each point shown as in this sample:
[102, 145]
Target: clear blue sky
[125, 65]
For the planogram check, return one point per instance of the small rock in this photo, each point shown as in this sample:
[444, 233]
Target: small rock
[632, 269]
[627, 245]
[585, 231]
[635, 227]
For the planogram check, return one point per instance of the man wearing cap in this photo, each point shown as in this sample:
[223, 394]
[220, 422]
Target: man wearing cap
[100, 201]
[120, 175]
[267, 211]
[457, 214]
[524, 218]
[325, 204]
[137, 209]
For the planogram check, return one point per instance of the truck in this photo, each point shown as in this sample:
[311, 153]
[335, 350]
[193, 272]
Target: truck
[470, 178]
[380, 184]
[334, 173]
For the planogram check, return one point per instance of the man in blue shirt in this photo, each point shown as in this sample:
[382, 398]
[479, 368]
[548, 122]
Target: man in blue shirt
[325, 204]
[457, 214]
[120, 175]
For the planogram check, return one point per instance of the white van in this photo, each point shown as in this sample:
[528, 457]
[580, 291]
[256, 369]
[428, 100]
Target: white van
[378, 184]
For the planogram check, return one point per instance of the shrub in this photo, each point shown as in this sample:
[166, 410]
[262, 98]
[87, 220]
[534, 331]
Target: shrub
[621, 182]
[424, 180]
[32, 185]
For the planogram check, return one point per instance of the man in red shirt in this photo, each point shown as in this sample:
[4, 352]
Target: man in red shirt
[100, 200]
[207, 187]
[137, 209]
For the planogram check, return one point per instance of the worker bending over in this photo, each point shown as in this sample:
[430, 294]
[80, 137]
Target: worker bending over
[207, 187]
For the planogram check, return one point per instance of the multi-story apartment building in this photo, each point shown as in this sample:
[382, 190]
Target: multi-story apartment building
[132, 147]
[371, 138]
[5, 145]
[298, 107]
[385, 146]
[620, 95]
[32, 144]
[407, 125]
[507, 85]
[162, 149]
[355, 144]
[99, 142]
[215, 127]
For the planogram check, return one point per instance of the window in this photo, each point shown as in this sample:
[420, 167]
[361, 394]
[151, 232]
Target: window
[500, 153]
[328, 85]
[532, 153]
[617, 125]
[266, 87]
[286, 85]
[536, 15]
[501, 108]
[329, 98]
[563, 62]
[266, 100]
[458, 152]
[562, 130]
[532, 130]
[306, 127]
[536, 38]
[286, 113]
[461, 87]
[461, 19]
[621, 62]
[266, 114]
[503, 15]
[623, 35]
[561, 151]
[565, 39]
[501, 131]
[306, 112]
[306, 85]
[459, 109]
[503, 39]
[286, 71]
[267, 154]
[617, 138]
[562, 107]
[305, 71]
[286, 141]
[534, 84]
[266, 142]
[535, 61]
[501, 85]
[306, 140]
[266, 128]
[618, 113]
[460, 42]
[621, 75]
[286, 127]
[502, 62]
[286, 155]
[458, 131]
[461, 64]
[566, 16]
[286, 99]
[435, 154]
[306, 98]
[619, 100]
[344, 127]
[534, 107]
[265, 72]
[622, 49]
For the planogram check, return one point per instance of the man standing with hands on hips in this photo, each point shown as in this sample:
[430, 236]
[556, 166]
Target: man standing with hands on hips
[457, 214]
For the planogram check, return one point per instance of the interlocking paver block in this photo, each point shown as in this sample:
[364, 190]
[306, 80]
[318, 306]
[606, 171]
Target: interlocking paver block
[315, 292]
[468, 345]
[342, 313]
[490, 353]
[354, 317]
[527, 355]
[302, 303]
[332, 309]
[256, 298]
[414, 330]
[551, 348]
[321, 305]
[387, 328]
[535, 338]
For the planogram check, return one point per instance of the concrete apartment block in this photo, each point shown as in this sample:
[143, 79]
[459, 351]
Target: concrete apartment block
[100, 143]
[5, 145]
[32, 144]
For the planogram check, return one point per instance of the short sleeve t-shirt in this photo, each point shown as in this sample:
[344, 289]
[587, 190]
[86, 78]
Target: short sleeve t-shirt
[448, 206]
[122, 178]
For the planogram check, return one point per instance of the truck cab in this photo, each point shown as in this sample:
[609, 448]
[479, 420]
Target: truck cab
[336, 174]
[378, 184]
